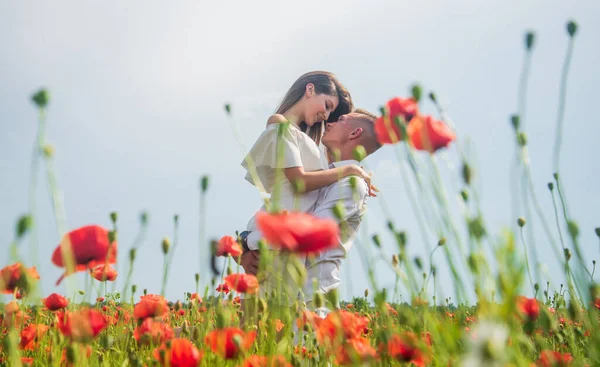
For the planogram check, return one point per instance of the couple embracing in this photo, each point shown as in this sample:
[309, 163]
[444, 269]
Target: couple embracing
[306, 159]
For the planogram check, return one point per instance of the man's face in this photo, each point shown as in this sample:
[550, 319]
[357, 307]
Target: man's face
[339, 132]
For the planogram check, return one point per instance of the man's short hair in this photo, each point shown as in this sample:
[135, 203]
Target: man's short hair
[368, 120]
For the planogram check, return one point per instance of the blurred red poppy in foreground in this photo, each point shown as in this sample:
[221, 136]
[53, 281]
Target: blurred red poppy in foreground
[355, 351]
[264, 361]
[55, 302]
[221, 341]
[30, 336]
[549, 358]
[13, 276]
[82, 325]
[88, 246]
[298, 232]
[178, 353]
[228, 246]
[429, 134]
[242, 283]
[529, 307]
[406, 347]
[386, 128]
[104, 273]
[154, 332]
[151, 305]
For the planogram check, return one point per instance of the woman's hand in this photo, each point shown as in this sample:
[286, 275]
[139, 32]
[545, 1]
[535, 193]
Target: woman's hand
[353, 169]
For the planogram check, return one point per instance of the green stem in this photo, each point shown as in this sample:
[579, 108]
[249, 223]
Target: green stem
[527, 260]
[561, 104]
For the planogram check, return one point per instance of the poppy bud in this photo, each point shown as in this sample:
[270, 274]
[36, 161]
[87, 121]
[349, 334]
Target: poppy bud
[395, 260]
[359, 153]
[41, 98]
[515, 120]
[597, 231]
[383, 111]
[555, 175]
[536, 286]
[466, 173]
[416, 92]
[71, 356]
[442, 241]
[204, 183]
[132, 253]
[48, 151]
[401, 238]
[319, 300]
[144, 218]
[166, 245]
[571, 28]
[366, 292]
[465, 195]
[522, 139]
[112, 236]
[262, 305]
[339, 211]
[113, 217]
[432, 97]
[418, 263]
[176, 218]
[390, 226]
[81, 292]
[145, 291]
[573, 229]
[197, 277]
[24, 224]
[196, 333]
[567, 254]
[229, 271]
[228, 108]
[521, 222]
[550, 186]
[376, 240]
[529, 40]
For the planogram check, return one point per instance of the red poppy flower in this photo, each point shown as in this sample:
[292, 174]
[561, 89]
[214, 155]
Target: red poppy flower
[228, 246]
[30, 336]
[82, 325]
[354, 351]
[308, 318]
[104, 273]
[179, 353]
[386, 129]
[406, 348]
[529, 307]
[339, 326]
[264, 361]
[11, 277]
[597, 303]
[221, 341]
[223, 288]
[89, 247]
[427, 133]
[549, 358]
[298, 232]
[151, 305]
[154, 332]
[27, 361]
[242, 283]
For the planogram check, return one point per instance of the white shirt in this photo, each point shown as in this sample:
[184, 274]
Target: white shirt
[296, 149]
[353, 203]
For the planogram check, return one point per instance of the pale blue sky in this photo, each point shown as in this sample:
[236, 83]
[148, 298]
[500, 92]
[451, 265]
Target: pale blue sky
[137, 116]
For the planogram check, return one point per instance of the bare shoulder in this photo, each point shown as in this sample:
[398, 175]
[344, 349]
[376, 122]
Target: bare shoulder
[276, 119]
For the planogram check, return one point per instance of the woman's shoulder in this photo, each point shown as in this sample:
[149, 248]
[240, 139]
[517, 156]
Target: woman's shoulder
[276, 119]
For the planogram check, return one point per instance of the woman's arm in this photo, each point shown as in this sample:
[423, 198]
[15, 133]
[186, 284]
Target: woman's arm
[309, 181]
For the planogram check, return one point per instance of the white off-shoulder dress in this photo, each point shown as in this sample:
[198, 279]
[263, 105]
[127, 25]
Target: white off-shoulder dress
[298, 150]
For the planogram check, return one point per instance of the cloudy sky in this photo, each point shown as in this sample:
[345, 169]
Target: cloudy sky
[137, 116]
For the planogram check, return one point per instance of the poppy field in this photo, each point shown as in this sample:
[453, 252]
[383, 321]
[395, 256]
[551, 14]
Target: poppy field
[516, 318]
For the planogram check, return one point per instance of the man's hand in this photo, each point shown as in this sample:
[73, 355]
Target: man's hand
[249, 261]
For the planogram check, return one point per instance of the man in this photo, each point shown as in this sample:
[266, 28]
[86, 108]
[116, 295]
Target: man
[341, 138]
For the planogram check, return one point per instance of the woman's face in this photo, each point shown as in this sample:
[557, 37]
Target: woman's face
[318, 107]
